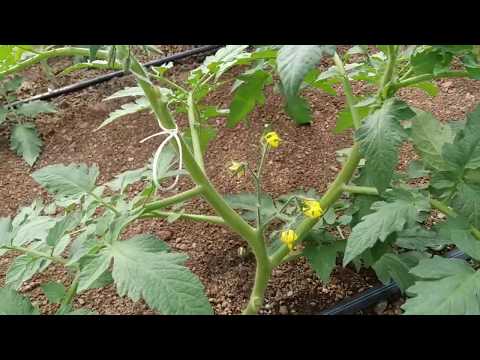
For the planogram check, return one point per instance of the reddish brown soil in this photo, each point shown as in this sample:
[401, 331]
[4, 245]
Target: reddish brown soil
[306, 159]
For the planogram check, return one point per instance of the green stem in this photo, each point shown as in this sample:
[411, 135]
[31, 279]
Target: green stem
[206, 218]
[193, 122]
[262, 275]
[107, 205]
[347, 87]
[388, 74]
[364, 190]
[234, 220]
[331, 196]
[36, 253]
[66, 51]
[427, 77]
[71, 292]
[175, 199]
[258, 188]
[170, 83]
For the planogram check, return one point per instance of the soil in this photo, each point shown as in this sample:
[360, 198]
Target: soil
[306, 160]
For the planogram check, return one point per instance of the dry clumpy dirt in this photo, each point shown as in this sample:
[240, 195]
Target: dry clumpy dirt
[306, 160]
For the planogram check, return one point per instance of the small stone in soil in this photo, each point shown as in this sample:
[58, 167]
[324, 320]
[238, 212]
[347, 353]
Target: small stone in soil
[283, 310]
[380, 307]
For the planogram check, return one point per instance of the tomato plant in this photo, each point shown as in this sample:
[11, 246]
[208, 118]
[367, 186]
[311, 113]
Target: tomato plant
[385, 210]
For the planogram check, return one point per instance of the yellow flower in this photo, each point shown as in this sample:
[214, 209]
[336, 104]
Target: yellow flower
[237, 168]
[289, 237]
[272, 139]
[312, 209]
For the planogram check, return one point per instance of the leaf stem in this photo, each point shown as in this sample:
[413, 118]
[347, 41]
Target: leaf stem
[347, 87]
[175, 199]
[65, 51]
[195, 217]
[36, 253]
[427, 77]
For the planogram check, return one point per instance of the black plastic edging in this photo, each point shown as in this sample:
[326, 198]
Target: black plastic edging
[374, 295]
[102, 78]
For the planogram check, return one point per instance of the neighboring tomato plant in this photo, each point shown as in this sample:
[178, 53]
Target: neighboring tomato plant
[383, 210]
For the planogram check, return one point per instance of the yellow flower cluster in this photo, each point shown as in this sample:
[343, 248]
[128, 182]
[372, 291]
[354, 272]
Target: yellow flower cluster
[288, 237]
[312, 209]
[272, 139]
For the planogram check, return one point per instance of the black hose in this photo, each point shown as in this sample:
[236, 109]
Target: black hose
[102, 78]
[374, 295]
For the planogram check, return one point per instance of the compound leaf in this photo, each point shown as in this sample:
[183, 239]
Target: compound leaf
[447, 287]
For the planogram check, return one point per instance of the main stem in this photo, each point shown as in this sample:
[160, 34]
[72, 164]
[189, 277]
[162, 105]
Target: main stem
[211, 195]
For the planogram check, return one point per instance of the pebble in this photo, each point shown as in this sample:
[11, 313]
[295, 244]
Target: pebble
[380, 307]
[290, 293]
[81, 302]
[283, 310]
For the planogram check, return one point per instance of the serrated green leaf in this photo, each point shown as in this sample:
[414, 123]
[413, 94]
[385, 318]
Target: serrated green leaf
[142, 270]
[418, 238]
[3, 114]
[54, 291]
[295, 61]
[35, 228]
[247, 96]
[428, 87]
[5, 228]
[67, 182]
[467, 202]
[429, 136]
[392, 267]
[22, 269]
[36, 107]
[12, 303]
[388, 218]
[140, 104]
[247, 202]
[345, 120]
[457, 231]
[299, 110]
[416, 169]
[322, 256]
[94, 269]
[464, 153]
[63, 226]
[13, 84]
[26, 142]
[122, 181]
[380, 136]
[447, 287]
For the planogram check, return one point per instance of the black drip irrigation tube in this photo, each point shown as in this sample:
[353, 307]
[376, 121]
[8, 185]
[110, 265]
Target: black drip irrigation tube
[102, 78]
[374, 295]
